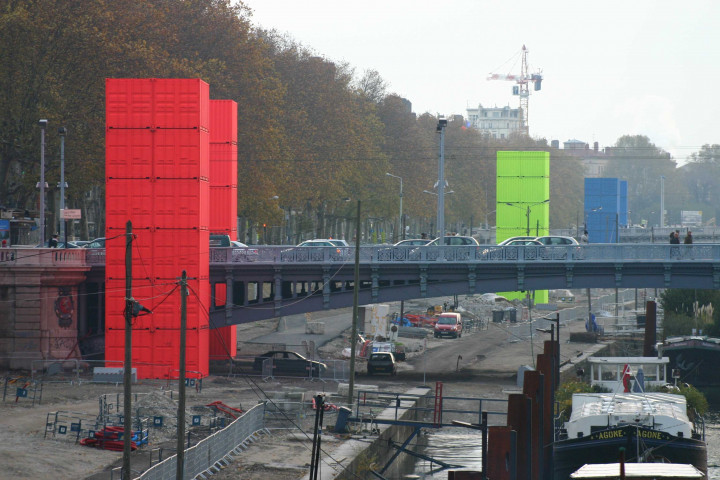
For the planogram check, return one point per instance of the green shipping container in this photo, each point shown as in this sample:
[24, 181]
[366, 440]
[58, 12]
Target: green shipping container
[523, 164]
[522, 189]
[515, 217]
[541, 296]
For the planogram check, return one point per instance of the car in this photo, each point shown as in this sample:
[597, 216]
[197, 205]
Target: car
[518, 242]
[289, 363]
[454, 240]
[220, 241]
[243, 252]
[512, 240]
[557, 240]
[60, 244]
[381, 362]
[450, 324]
[81, 243]
[412, 242]
[338, 251]
[97, 243]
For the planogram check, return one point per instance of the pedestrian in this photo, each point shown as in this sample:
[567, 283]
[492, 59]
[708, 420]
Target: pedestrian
[423, 236]
[53, 243]
[584, 237]
[675, 237]
[688, 238]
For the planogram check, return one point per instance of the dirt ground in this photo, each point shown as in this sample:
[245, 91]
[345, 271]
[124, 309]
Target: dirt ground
[283, 454]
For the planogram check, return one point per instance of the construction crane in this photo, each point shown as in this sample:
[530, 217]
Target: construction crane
[521, 89]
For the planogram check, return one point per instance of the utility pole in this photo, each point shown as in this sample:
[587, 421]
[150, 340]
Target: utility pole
[356, 291]
[127, 365]
[179, 472]
[63, 223]
[442, 124]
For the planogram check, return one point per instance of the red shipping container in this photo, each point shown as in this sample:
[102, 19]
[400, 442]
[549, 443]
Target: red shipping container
[129, 102]
[223, 121]
[181, 154]
[129, 153]
[157, 153]
[223, 209]
[157, 103]
[181, 249]
[181, 103]
[181, 203]
[128, 200]
[223, 164]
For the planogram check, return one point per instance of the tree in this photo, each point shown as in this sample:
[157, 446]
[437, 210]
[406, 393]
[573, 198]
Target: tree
[636, 159]
[687, 309]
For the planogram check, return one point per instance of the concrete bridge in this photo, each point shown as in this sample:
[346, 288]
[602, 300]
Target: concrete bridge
[266, 282]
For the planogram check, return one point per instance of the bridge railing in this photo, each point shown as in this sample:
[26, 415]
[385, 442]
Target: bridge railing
[699, 252]
[43, 256]
[481, 254]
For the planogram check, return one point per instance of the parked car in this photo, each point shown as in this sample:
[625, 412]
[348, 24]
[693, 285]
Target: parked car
[243, 252]
[381, 362]
[448, 324]
[97, 243]
[289, 363]
[60, 244]
[454, 240]
[412, 242]
[336, 252]
[521, 242]
[220, 241]
[557, 240]
[511, 240]
[80, 243]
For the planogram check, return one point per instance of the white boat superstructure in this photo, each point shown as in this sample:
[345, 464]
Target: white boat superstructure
[661, 412]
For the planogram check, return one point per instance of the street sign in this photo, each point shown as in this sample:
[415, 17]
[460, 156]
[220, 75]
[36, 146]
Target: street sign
[69, 214]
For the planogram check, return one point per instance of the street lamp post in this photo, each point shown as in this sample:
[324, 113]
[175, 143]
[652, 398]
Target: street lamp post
[662, 201]
[63, 223]
[527, 212]
[400, 219]
[442, 124]
[43, 124]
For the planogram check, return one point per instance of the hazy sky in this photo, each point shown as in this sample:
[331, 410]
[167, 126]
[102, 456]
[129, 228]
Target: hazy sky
[611, 68]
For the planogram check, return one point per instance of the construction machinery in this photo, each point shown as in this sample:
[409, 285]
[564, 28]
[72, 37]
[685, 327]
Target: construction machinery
[523, 80]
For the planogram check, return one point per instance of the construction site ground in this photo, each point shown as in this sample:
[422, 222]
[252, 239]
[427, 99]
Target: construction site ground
[285, 453]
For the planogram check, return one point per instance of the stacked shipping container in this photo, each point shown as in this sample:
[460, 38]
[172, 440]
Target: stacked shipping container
[157, 169]
[223, 205]
[605, 208]
[523, 192]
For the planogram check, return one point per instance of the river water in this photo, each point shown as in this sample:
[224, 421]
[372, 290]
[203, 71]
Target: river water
[458, 446]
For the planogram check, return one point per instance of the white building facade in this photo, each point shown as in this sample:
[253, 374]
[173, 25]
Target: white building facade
[496, 122]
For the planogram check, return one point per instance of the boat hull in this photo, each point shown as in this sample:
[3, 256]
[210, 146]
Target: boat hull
[604, 447]
[696, 359]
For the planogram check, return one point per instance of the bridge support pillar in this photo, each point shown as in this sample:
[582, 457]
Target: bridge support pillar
[277, 297]
[229, 297]
[423, 281]
[521, 277]
[375, 278]
[618, 274]
[569, 276]
[716, 276]
[326, 287]
[472, 276]
[667, 267]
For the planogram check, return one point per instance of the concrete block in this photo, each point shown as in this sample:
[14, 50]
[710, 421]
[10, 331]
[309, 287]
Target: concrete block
[315, 328]
[344, 388]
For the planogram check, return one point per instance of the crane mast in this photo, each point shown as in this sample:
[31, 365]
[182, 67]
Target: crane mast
[522, 88]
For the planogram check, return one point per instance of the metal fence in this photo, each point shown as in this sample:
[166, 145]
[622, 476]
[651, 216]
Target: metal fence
[212, 453]
[517, 332]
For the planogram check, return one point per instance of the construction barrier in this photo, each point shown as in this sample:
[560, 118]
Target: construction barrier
[215, 451]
